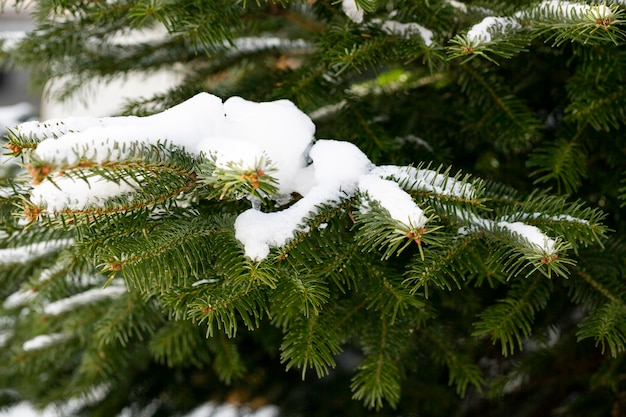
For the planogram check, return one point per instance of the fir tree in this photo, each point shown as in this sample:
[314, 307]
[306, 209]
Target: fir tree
[456, 250]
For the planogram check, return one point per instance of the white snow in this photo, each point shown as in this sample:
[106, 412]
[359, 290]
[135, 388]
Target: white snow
[24, 409]
[19, 299]
[276, 130]
[390, 196]
[27, 253]
[490, 26]
[537, 240]
[333, 175]
[544, 216]
[338, 162]
[204, 282]
[530, 236]
[427, 180]
[68, 139]
[251, 44]
[6, 192]
[457, 5]
[231, 410]
[354, 12]
[76, 194]
[406, 30]
[572, 10]
[258, 231]
[90, 296]
[48, 273]
[44, 341]
[9, 40]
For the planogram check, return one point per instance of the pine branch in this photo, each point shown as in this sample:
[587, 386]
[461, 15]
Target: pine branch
[228, 363]
[562, 162]
[459, 260]
[510, 320]
[603, 108]
[606, 325]
[579, 225]
[462, 371]
[224, 306]
[324, 249]
[298, 294]
[377, 378]
[130, 316]
[378, 232]
[180, 343]
[517, 124]
[609, 292]
[163, 248]
[391, 297]
[310, 343]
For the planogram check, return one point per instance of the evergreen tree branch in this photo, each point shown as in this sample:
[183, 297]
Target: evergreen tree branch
[606, 325]
[377, 378]
[310, 343]
[562, 162]
[510, 320]
[179, 343]
[462, 372]
[457, 261]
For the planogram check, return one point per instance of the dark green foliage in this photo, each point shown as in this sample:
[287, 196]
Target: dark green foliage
[150, 298]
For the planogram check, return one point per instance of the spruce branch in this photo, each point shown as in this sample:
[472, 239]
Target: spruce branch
[161, 249]
[130, 316]
[228, 362]
[236, 181]
[377, 231]
[391, 297]
[613, 295]
[606, 325]
[462, 372]
[224, 307]
[377, 378]
[178, 343]
[518, 125]
[298, 295]
[509, 321]
[561, 162]
[351, 270]
[310, 343]
[586, 23]
[444, 266]
[601, 108]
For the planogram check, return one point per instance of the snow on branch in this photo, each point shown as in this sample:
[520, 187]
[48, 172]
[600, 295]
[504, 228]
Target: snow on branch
[530, 237]
[568, 10]
[428, 180]
[492, 28]
[307, 175]
[535, 239]
[356, 14]
[27, 253]
[405, 30]
[44, 341]
[87, 297]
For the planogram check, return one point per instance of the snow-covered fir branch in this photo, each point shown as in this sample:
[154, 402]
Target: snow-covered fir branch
[27, 253]
[239, 133]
